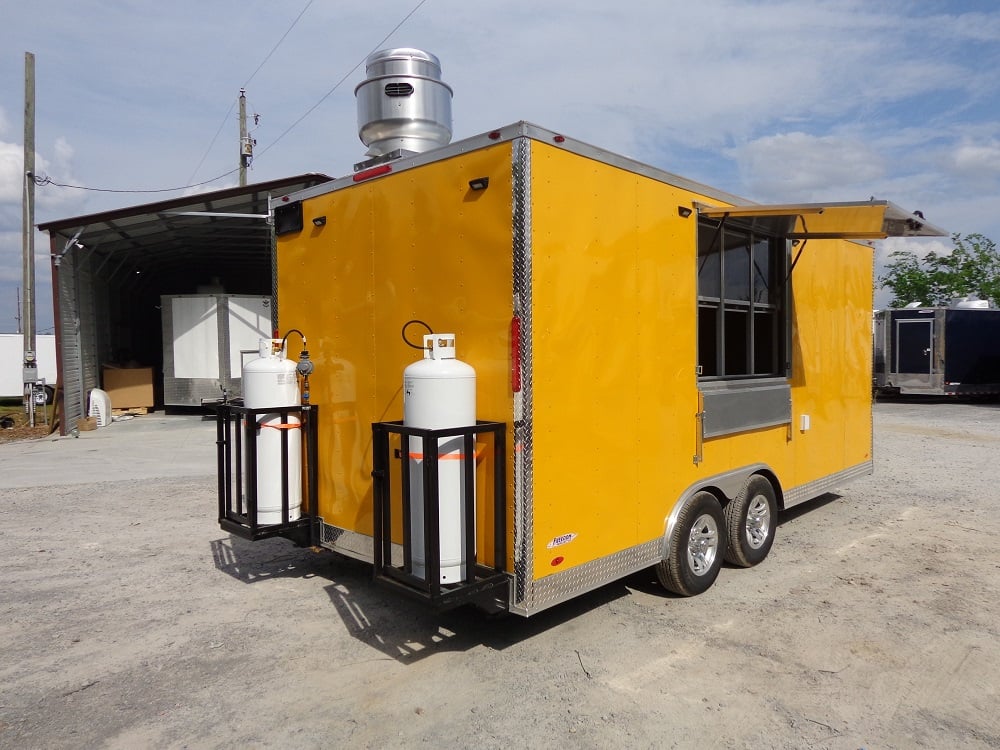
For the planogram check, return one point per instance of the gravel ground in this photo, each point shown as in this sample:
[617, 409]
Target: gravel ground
[128, 619]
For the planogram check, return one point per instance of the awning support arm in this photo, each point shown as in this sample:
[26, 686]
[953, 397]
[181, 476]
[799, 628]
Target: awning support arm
[798, 255]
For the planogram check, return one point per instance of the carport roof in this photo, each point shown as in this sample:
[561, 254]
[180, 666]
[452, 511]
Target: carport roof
[224, 224]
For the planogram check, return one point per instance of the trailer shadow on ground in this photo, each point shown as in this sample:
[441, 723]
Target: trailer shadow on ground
[403, 629]
[809, 506]
[251, 562]
[409, 631]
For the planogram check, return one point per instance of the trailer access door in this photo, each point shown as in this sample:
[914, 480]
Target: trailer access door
[915, 350]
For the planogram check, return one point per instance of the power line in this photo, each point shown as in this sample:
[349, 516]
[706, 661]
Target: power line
[278, 43]
[225, 118]
[346, 76]
[215, 137]
[44, 180]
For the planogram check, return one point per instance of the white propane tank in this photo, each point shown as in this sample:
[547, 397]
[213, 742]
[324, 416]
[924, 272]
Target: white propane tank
[271, 381]
[439, 391]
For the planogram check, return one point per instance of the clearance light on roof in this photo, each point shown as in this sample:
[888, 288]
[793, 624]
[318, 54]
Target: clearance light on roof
[373, 172]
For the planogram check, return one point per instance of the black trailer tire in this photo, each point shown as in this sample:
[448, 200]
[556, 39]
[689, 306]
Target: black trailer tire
[751, 520]
[696, 547]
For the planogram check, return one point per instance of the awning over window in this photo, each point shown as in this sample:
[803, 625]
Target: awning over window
[866, 220]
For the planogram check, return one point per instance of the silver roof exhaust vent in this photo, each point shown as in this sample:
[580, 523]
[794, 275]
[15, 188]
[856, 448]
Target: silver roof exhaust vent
[403, 105]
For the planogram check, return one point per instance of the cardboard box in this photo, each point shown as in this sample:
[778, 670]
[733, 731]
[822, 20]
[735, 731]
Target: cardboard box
[129, 388]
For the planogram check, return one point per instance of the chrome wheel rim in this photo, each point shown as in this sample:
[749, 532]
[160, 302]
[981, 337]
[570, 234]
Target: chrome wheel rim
[758, 526]
[703, 544]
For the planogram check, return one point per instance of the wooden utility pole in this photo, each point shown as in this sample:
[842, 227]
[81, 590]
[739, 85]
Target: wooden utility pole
[28, 238]
[246, 149]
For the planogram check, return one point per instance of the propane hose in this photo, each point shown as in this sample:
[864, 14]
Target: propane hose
[305, 365]
[407, 324]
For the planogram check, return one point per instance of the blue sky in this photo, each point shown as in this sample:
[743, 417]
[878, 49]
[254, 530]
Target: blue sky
[775, 101]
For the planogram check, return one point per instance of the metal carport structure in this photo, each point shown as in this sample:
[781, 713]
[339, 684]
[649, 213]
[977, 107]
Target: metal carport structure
[109, 270]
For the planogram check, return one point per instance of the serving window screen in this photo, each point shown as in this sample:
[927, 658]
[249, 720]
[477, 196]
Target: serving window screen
[741, 311]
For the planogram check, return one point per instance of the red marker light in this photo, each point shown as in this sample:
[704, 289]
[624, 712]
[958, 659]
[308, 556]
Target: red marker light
[373, 172]
[557, 561]
[494, 135]
[559, 139]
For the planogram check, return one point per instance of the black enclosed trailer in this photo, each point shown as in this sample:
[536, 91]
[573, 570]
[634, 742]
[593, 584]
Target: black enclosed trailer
[938, 351]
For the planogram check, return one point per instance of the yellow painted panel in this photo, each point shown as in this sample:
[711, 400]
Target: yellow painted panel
[614, 327]
[832, 379]
[613, 335]
[419, 244]
[614, 324]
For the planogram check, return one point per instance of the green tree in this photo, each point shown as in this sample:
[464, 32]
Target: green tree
[972, 268]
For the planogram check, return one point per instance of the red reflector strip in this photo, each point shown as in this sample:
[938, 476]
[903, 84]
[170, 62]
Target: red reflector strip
[373, 172]
[282, 426]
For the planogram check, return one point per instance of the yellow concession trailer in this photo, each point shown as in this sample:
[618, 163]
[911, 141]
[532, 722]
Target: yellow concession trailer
[660, 369]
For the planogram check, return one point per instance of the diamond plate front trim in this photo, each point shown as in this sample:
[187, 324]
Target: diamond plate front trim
[817, 487]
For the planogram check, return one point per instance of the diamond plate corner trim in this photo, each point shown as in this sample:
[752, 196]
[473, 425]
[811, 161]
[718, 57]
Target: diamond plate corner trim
[817, 487]
[348, 543]
[273, 241]
[556, 589]
[523, 458]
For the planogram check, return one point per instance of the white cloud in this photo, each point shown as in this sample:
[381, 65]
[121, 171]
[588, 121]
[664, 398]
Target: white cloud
[978, 159]
[11, 172]
[976, 27]
[800, 167]
[48, 198]
[772, 99]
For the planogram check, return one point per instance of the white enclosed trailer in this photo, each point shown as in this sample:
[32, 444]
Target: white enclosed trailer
[12, 361]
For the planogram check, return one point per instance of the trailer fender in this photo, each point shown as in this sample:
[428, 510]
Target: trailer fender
[724, 486]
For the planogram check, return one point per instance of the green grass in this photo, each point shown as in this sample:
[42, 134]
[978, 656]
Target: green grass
[15, 408]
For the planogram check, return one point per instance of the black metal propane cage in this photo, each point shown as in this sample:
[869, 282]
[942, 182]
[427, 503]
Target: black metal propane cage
[237, 430]
[484, 585]
[487, 586]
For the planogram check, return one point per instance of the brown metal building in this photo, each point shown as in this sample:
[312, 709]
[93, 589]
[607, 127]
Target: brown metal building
[110, 269]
